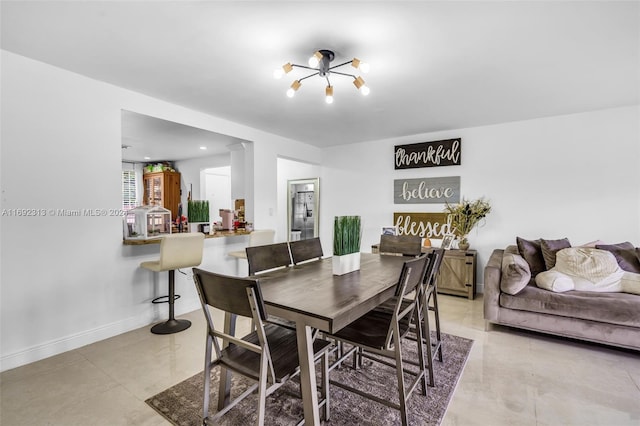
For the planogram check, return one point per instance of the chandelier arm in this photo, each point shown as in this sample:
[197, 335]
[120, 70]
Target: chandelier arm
[328, 82]
[310, 75]
[342, 73]
[343, 64]
[304, 66]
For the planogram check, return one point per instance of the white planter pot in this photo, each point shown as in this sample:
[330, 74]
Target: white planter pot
[345, 264]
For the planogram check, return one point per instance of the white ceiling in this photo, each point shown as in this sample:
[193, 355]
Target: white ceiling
[434, 65]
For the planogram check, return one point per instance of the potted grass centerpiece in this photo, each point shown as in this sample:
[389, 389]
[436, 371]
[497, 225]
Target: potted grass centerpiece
[347, 232]
[197, 212]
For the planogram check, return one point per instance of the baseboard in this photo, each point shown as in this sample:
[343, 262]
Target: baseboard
[77, 340]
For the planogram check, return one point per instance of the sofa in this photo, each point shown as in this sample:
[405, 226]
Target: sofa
[584, 311]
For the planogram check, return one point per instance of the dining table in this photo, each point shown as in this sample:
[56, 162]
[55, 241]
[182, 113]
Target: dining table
[310, 295]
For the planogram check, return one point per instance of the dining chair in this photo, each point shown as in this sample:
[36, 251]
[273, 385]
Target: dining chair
[380, 332]
[267, 257]
[305, 250]
[430, 303]
[426, 299]
[268, 355]
[176, 251]
[406, 245]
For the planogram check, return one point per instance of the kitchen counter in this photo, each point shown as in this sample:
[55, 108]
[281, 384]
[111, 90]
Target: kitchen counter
[218, 234]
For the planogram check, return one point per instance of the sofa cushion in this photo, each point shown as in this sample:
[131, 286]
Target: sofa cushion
[626, 255]
[550, 248]
[515, 273]
[613, 308]
[531, 251]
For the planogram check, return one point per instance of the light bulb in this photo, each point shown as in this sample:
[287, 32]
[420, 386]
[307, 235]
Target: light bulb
[294, 86]
[278, 73]
[329, 95]
[315, 59]
[365, 90]
[364, 67]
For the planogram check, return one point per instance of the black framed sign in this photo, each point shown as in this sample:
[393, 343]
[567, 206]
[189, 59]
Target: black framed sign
[428, 154]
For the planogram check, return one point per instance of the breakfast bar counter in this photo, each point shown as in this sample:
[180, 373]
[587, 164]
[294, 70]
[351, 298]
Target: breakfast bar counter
[217, 234]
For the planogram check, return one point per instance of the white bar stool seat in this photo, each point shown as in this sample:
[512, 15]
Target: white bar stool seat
[256, 238]
[176, 251]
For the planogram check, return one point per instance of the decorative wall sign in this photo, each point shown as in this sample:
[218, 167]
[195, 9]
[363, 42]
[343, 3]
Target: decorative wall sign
[438, 190]
[425, 225]
[428, 154]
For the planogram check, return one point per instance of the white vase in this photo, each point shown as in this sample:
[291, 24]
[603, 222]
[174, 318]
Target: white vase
[346, 263]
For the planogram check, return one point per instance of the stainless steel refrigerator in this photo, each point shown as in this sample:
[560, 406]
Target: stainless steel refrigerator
[303, 210]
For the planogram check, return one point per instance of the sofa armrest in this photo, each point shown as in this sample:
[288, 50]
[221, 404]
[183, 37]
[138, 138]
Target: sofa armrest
[492, 277]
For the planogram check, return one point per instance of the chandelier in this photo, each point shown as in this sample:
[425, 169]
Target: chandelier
[320, 65]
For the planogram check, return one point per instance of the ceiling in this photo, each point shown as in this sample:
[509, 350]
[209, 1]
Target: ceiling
[434, 65]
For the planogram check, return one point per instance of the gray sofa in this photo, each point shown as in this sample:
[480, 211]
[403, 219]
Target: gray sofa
[606, 318]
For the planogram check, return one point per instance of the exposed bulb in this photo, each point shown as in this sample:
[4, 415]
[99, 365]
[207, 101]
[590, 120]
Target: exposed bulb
[328, 99]
[290, 93]
[364, 67]
[365, 90]
[315, 59]
[278, 73]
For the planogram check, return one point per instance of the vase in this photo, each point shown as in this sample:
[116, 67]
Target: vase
[463, 244]
[346, 263]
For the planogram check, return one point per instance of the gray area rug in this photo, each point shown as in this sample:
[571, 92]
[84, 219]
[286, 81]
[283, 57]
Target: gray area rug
[182, 404]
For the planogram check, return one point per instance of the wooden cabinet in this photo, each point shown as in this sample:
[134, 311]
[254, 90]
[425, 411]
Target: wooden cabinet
[457, 274]
[162, 189]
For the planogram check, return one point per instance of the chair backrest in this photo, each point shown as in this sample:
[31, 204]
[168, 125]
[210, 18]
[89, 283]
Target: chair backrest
[261, 237]
[228, 293]
[406, 245]
[182, 250]
[263, 258]
[434, 266]
[303, 250]
[418, 267]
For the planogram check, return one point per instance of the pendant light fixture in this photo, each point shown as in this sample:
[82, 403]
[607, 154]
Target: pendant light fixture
[320, 65]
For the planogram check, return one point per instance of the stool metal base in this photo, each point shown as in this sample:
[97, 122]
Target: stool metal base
[171, 326]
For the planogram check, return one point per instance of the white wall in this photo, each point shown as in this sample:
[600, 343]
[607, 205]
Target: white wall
[69, 281]
[575, 176]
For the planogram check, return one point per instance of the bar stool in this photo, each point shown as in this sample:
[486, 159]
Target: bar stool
[176, 251]
[260, 237]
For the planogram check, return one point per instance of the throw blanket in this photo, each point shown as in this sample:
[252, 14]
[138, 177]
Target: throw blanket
[588, 269]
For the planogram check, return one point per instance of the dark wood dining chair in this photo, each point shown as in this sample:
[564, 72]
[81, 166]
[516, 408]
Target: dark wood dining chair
[379, 332]
[305, 250]
[406, 245]
[430, 303]
[426, 299]
[267, 257]
[268, 355]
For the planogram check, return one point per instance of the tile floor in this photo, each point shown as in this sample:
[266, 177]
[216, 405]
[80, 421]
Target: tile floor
[511, 378]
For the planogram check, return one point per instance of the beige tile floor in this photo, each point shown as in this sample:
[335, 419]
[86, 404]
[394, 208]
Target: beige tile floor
[511, 378]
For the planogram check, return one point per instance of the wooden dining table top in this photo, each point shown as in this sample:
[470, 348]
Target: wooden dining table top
[311, 293]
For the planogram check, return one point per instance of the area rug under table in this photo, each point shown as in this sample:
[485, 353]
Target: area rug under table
[182, 404]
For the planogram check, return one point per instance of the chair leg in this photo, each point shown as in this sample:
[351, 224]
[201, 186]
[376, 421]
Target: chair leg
[325, 385]
[437, 321]
[172, 325]
[426, 332]
[402, 398]
[207, 379]
[262, 389]
[421, 364]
